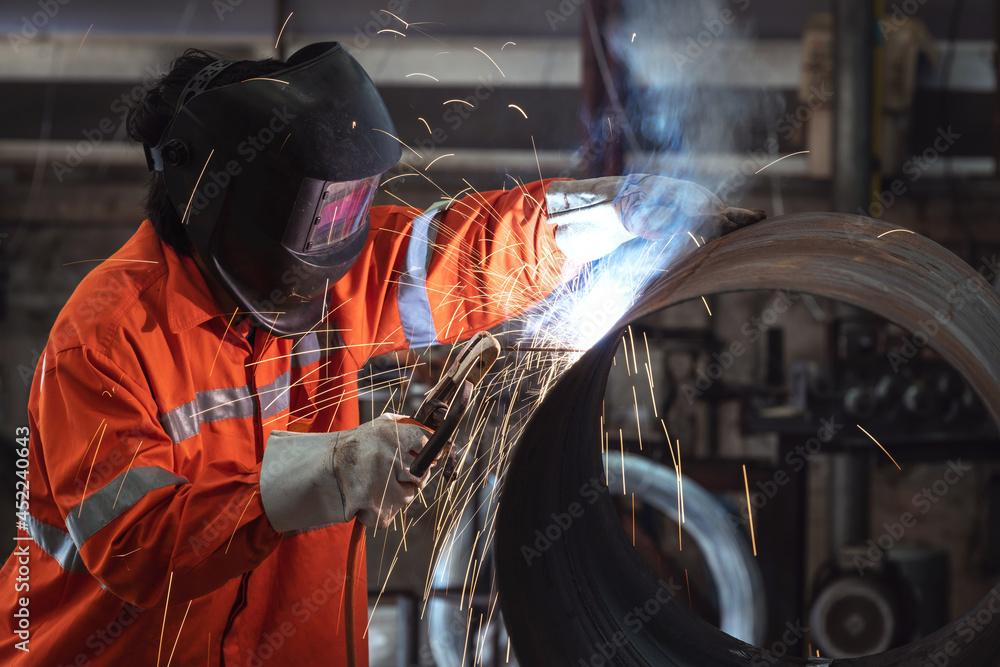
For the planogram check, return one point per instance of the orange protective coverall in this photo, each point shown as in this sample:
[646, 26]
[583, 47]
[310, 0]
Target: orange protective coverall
[149, 415]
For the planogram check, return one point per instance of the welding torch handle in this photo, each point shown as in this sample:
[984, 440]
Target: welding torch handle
[442, 434]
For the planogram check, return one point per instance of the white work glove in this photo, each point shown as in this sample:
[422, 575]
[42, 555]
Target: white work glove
[595, 216]
[315, 479]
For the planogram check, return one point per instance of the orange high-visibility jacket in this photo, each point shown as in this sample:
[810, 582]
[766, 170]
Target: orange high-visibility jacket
[145, 536]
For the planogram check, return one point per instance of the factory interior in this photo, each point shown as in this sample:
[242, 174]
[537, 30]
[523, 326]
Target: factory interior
[791, 431]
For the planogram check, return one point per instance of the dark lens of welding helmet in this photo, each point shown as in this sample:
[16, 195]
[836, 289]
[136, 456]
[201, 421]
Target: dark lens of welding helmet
[328, 215]
[339, 213]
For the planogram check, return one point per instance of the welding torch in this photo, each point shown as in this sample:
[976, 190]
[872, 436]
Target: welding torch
[444, 406]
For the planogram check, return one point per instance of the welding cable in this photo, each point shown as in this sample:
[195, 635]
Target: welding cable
[357, 537]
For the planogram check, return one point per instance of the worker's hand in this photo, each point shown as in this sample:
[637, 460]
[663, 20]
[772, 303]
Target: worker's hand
[595, 216]
[372, 464]
[658, 207]
[313, 479]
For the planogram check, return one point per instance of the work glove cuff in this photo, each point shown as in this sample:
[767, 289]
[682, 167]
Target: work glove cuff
[298, 482]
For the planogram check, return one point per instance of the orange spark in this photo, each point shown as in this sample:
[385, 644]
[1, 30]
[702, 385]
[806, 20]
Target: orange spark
[633, 519]
[280, 32]
[438, 158]
[421, 74]
[491, 60]
[111, 259]
[187, 209]
[87, 483]
[222, 340]
[880, 447]
[746, 484]
[126, 475]
[779, 160]
[398, 139]
[896, 230]
[177, 638]
[680, 478]
[405, 24]
[83, 40]
[238, 522]
[514, 106]
[264, 78]
[166, 606]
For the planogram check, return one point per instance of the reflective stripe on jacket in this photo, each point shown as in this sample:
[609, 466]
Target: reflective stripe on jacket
[149, 412]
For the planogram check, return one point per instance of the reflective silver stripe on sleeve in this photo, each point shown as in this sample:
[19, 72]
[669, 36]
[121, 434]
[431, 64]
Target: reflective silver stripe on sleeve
[56, 543]
[274, 397]
[111, 501]
[412, 299]
[306, 351]
[211, 405]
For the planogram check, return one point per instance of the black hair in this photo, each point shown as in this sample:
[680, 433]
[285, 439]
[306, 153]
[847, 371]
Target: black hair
[149, 117]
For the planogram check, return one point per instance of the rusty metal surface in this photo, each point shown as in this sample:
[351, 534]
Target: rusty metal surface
[585, 598]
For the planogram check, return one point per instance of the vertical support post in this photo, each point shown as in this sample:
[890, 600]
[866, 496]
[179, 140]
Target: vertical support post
[602, 93]
[407, 634]
[854, 66]
[850, 499]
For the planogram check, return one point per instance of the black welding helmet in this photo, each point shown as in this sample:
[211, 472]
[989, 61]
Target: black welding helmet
[273, 178]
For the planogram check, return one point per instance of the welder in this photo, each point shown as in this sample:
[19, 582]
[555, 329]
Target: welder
[199, 480]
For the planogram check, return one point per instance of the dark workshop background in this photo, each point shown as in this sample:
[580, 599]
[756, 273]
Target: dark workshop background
[714, 95]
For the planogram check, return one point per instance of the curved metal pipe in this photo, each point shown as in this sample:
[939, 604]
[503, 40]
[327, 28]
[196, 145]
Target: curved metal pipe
[728, 560]
[589, 599]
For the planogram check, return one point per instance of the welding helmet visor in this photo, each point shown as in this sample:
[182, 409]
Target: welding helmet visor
[273, 178]
[340, 211]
